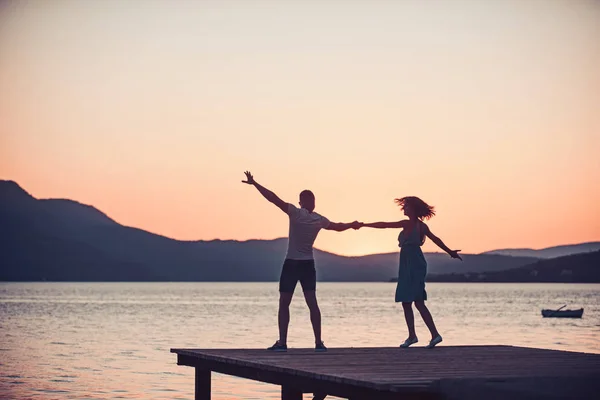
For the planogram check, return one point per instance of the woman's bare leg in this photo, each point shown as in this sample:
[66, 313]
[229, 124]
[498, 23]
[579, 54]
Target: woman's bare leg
[410, 319]
[426, 315]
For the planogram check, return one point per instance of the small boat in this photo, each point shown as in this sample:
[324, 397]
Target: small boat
[562, 313]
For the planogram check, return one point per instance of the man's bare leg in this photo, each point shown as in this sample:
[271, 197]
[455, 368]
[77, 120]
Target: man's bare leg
[284, 316]
[315, 313]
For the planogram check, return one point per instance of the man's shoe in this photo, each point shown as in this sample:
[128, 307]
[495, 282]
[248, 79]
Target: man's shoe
[278, 347]
[320, 347]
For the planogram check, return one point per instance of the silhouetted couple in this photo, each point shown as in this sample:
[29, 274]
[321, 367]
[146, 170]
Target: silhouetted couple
[299, 264]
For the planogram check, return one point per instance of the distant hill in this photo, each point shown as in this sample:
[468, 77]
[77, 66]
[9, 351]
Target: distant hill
[549, 252]
[63, 240]
[440, 263]
[579, 268]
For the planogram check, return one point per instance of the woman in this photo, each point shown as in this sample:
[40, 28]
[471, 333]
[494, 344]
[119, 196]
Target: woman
[413, 267]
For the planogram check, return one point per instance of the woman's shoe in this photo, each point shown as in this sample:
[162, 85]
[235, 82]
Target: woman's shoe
[436, 340]
[409, 342]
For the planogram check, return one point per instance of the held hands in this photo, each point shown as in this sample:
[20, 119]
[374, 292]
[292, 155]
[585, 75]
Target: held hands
[454, 254]
[357, 225]
[249, 178]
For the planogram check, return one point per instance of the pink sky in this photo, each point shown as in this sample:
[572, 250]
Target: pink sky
[152, 110]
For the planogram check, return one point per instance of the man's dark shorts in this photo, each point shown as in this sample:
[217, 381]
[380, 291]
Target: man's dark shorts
[298, 270]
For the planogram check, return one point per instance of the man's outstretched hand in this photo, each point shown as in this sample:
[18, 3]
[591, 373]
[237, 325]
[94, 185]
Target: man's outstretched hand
[249, 178]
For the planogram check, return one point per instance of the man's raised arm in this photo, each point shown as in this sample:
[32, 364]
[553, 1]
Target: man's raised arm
[267, 194]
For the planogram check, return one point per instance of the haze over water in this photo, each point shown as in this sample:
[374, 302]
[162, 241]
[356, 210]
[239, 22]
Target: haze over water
[112, 340]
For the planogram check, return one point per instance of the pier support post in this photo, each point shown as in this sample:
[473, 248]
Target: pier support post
[202, 384]
[289, 393]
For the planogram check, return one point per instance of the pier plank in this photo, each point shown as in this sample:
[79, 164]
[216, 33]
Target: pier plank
[415, 373]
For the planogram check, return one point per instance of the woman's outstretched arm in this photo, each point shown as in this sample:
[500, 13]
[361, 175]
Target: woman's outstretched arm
[440, 244]
[384, 225]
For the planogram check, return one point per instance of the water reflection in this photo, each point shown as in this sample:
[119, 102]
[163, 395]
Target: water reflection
[112, 340]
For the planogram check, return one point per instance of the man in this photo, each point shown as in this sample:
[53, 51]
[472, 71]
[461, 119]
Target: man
[299, 264]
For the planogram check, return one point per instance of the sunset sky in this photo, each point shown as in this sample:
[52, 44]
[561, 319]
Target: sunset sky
[152, 110]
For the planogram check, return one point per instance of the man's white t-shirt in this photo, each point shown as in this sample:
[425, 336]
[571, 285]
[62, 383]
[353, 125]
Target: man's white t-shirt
[304, 227]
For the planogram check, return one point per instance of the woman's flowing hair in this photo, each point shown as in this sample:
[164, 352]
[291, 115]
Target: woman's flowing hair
[421, 209]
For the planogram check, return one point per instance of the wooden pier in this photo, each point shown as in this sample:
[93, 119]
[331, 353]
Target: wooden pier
[446, 372]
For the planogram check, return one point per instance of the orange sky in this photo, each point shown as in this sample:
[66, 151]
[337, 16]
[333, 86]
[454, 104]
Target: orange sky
[151, 111]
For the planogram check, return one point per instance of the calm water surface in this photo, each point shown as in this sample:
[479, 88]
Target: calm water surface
[112, 340]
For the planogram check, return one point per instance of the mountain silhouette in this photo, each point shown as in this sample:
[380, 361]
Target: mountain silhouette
[63, 240]
[576, 268]
[549, 252]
